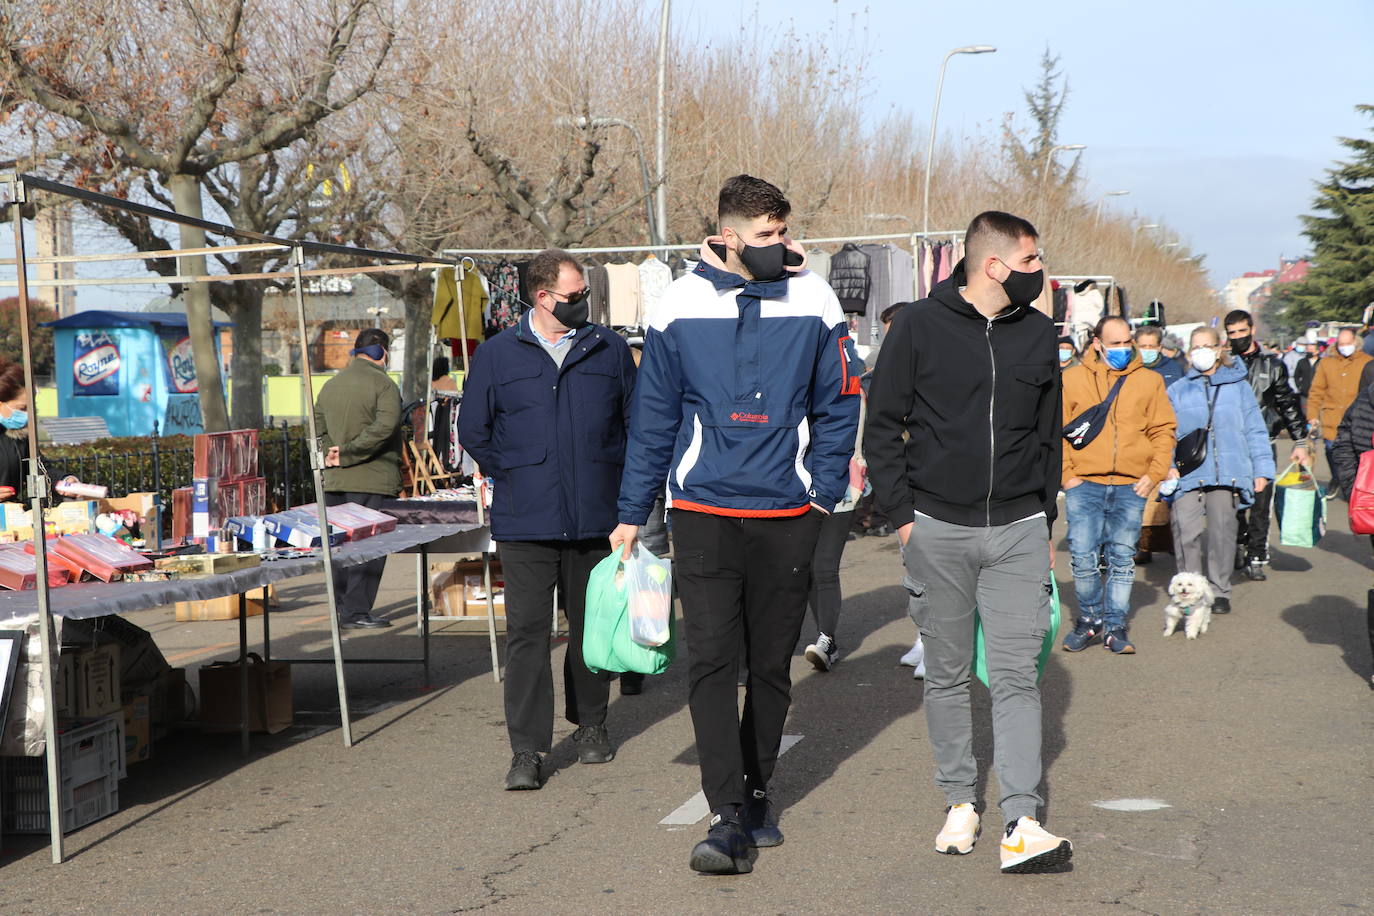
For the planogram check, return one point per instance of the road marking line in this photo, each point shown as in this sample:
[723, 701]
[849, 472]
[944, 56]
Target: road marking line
[695, 808]
[1133, 804]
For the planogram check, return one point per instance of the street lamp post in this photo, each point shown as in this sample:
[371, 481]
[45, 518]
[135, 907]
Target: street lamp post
[660, 139]
[1049, 156]
[584, 123]
[1103, 199]
[1138, 228]
[934, 116]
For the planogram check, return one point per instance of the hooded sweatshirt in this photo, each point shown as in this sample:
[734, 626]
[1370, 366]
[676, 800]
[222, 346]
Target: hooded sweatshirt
[978, 399]
[1138, 438]
[747, 400]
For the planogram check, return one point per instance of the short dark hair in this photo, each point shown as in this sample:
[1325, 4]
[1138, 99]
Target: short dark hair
[11, 379]
[993, 231]
[440, 368]
[1236, 316]
[1106, 320]
[747, 197]
[891, 311]
[1150, 330]
[369, 336]
[545, 267]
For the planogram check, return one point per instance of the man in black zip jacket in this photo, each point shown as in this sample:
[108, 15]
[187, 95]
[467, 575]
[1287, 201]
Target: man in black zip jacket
[969, 375]
[1269, 378]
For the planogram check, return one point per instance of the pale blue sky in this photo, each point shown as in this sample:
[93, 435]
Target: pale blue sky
[1217, 115]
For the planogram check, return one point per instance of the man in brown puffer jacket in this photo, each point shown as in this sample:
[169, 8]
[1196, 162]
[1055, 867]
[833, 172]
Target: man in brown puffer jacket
[1107, 481]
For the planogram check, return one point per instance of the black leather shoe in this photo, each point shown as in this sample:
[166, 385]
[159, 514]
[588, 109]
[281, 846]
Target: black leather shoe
[631, 684]
[760, 821]
[593, 744]
[725, 851]
[1221, 605]
[524, 771]
[365, 622]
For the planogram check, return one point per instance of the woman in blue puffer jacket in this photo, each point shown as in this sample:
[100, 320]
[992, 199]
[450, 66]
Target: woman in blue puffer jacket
[1238, 465]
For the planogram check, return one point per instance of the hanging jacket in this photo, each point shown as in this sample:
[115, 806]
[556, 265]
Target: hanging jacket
[748, 397]
[552, 439]
[1279, 403]
[1138, 438]
[978, 400]
[849, 278]
[1354, 437]
[1238, 450]
[452, 322]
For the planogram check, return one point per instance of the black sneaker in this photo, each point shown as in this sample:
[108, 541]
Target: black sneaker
[1254, 571]
[364, 622]
[725, 851]
[593, 744]
[760, 820]
[1221, 605]
[524, 771]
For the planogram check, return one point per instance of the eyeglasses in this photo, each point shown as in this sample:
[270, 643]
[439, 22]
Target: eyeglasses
[572, 298]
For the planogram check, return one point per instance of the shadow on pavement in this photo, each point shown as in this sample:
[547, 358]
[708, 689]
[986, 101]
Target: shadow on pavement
[1335, 620]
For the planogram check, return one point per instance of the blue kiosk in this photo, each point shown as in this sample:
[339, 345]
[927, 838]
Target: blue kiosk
[133, 369]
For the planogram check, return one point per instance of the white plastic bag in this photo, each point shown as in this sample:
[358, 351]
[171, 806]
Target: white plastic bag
[650, 588]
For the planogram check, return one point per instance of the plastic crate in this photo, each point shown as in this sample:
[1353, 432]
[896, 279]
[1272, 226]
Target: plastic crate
[91, 764]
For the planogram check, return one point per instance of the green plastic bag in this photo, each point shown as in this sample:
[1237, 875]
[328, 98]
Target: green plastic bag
[606, 642]
[980, 652]
[1301, 509]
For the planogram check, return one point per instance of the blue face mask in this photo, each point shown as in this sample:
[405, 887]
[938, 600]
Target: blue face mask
[1118, 357]
[1148, 357]
[1065, 355]
[16, 420]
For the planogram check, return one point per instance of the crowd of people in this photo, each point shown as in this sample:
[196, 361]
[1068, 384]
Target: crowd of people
[750, 433]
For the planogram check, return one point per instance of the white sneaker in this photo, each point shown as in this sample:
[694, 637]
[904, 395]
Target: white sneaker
[823, 653]
[915, 655]
[960, 831]
[1028, 847]
[920, 672]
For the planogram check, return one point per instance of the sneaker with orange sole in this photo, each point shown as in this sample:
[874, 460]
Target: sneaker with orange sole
[1028, 847]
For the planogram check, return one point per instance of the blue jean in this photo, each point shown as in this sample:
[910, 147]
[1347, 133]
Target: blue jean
[1103, 517]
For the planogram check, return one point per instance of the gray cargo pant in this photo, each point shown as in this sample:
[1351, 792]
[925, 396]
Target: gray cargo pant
[1004, 572]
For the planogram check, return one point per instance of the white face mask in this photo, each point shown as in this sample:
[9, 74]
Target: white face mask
[1203, 358]
[1346, 349]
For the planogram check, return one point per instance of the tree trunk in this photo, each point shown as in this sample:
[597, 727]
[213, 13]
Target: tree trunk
[199, 320]
[246, 377]
[419, 299]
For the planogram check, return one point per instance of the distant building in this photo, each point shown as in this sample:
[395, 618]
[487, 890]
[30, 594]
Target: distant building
[52, 232]
[1238, 290]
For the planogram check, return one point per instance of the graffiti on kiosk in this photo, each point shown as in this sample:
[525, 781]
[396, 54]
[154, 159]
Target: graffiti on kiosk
[181, 366]
[96, 363]
[183, 414]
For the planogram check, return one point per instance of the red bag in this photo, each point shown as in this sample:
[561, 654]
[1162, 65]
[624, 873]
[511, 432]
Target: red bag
[1362, 496]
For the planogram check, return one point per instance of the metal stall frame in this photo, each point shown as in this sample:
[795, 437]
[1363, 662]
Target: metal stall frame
[1063, 328]
[20, 187]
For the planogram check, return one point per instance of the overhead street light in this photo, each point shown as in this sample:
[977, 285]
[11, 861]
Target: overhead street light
[1101, 200]
[934, 117]
[1049, 156]
[583, 123]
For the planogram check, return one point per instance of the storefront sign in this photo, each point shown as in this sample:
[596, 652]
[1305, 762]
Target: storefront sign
[95, 364]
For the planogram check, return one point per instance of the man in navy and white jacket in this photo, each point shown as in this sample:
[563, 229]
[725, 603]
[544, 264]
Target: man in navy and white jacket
[746, 407]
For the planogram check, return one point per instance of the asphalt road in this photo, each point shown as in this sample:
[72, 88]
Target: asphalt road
[1254, 742]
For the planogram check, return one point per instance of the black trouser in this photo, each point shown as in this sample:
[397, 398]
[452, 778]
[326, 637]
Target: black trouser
[825, 572]
[743, 584]
[531, 570]
[1252, 534]
[867, 514]
[355, 587]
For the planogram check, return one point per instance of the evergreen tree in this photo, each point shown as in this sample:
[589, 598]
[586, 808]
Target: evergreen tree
[1341, 281]
[1045, 104]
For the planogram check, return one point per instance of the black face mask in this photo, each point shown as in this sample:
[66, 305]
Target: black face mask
[768, 262]
[1023, 288]
[572, 314]
[1241, 345]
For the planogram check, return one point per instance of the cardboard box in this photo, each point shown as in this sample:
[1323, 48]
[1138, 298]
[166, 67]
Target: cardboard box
[138, 730]
[144, 505]
[269, 696]
[97, 681]
[226, 608]
[458, 590]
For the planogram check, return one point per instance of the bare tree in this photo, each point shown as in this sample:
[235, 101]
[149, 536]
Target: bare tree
[177, 91]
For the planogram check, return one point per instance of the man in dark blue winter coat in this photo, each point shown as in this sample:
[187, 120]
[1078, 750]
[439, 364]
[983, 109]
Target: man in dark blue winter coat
[545, 413]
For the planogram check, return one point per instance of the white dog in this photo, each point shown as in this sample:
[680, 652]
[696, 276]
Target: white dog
[1192, 603]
